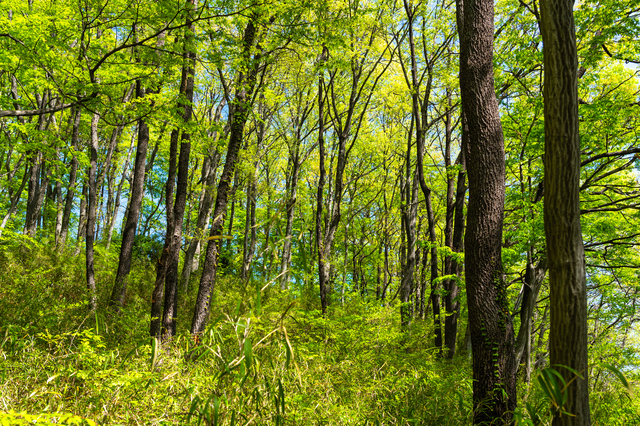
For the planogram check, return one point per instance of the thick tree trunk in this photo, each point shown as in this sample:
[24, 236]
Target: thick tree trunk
[494, 364]
[565, 249]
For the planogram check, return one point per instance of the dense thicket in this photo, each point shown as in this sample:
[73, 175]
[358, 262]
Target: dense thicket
[215, 173]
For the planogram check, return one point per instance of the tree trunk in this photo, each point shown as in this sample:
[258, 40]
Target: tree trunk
[170, 314]
[14, 203]
[209, 166]
[250, 234]
[157, 297]
[126, 173]
[533, 277]
[91, 212]
[204, 212]
[82, 219]
[294, 161]
[452, 305]
[565, 249]
[323, 267]
[245, 88]
[133, 214]
[492, 340]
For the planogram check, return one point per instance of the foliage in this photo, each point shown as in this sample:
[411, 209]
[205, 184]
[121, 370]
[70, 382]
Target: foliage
[263, 360]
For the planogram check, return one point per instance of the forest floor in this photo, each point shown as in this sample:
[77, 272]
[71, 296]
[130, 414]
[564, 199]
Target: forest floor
[266, 358]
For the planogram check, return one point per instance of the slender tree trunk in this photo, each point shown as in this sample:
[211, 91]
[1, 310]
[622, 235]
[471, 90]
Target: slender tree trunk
[204, 211]
[492, 339]
[250, 234]
[209, 167]
[171, 281]
[409, 219]
[170, 314]
[91, 212]
[323, 266]
[59, 210]
[133, 214]
[246, 86]
[82, 219]
[435, 298]
[38, 181]
[453, 266]
[533, 277]
[565, 249]
[294, 161]
[232, 213]
[14, 203]
[126, 174]
[157, 297]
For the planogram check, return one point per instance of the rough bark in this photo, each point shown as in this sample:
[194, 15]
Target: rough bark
[565, 249]
[492, 337]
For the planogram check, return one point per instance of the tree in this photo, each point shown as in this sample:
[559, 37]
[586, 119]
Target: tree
[565, 248]
[246, 85]
[494, 364]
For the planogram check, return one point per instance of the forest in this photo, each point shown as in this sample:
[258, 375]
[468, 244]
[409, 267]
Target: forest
[325, 212]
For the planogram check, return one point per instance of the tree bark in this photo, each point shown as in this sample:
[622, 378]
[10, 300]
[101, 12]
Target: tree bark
[126, 174]
[492, 339]
[204, 212]
[209, 166]
[242, 104]
[157, 297]
[133, 214]
[565, 249]
[91, 212]
[170, 314]
[323, 269]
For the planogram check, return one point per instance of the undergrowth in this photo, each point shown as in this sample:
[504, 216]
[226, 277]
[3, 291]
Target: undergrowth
[266, 358]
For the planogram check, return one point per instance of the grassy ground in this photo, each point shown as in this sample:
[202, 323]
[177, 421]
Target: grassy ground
[265, 360]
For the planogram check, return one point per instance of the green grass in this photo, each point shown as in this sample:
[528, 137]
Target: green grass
[270, 360]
